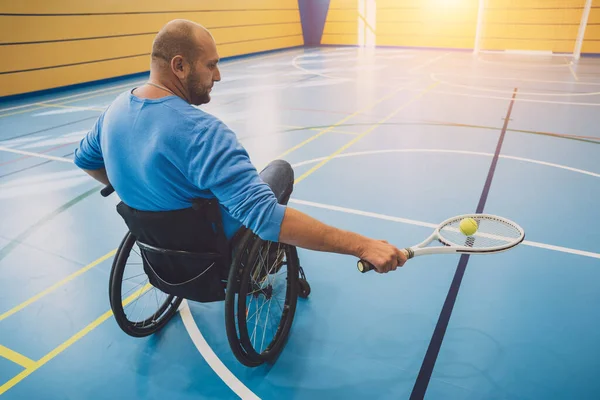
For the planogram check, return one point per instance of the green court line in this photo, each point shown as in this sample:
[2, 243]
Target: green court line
[6, 250]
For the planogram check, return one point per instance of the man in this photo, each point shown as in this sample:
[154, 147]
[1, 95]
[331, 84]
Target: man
[159, 152]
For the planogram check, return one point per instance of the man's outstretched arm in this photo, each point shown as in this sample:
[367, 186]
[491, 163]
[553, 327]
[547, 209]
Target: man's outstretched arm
[299, 229]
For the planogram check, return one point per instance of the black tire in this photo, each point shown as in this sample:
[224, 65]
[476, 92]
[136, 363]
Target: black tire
[165, 309]
[242, 250]
[259, 280]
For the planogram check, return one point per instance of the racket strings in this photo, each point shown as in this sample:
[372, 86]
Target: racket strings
[490, 233]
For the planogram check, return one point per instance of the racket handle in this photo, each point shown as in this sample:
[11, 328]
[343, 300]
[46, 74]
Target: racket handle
[365, 266]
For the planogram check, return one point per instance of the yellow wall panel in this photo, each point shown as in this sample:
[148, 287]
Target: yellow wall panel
[592, 32]
[418, 15]
[340, 39]
[342, 15]
[234, 49]
[594, 16]
[38, 80]
[562, 32]
[534, 3]
[423, 23]
[341, 28]
[120, 6]
[424, 29]
[591, 42]
[552, 16]
[52, 42]
[19, 57]
[347, 4]
[18, 29]
[245, 33]
[591, 47]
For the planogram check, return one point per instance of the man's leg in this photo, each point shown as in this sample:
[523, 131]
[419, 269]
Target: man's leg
[279, 175]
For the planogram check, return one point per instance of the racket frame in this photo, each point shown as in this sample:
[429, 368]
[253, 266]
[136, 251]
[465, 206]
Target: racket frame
[422, 249]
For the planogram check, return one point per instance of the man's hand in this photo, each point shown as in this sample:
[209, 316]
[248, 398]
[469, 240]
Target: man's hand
[383, 256]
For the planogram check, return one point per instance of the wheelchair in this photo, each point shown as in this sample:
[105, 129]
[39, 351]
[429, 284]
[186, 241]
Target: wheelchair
[166, 257]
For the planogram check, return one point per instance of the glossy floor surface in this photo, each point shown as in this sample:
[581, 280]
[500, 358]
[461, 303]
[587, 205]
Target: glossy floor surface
[385, 142]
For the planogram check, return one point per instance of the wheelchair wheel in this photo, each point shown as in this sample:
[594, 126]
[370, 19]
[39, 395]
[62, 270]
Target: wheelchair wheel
[261, 299]
[139, 308]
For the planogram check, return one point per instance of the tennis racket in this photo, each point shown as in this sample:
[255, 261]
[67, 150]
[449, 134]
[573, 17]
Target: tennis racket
[494, 234]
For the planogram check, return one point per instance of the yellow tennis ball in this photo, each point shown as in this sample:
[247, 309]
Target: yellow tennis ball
[468, 226]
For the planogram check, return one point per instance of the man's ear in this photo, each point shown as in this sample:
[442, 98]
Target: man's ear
[179, 67]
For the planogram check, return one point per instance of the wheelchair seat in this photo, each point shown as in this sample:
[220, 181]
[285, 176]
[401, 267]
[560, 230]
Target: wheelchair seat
[185, 255]
[184, 252]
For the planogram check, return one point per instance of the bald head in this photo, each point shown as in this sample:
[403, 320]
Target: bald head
[180, 37]
[184, 55]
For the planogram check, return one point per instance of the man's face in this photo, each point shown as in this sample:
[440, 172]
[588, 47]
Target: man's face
[204, 73]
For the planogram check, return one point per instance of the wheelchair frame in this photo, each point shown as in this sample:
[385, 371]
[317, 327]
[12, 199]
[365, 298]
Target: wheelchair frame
[240, 285]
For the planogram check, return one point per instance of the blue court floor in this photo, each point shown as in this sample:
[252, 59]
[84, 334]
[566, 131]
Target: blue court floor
[387, 142]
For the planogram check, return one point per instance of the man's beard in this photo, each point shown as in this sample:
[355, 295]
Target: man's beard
[198, 93]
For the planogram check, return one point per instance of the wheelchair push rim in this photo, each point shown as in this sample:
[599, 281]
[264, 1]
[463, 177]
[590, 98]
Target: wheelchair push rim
[266, 301]
[139, 308]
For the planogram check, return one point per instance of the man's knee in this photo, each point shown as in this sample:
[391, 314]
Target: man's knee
[279, 175]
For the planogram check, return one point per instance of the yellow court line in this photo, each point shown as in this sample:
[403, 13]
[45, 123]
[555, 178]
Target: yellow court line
[365, 133]
[318, 129]
[337, 131]
[573, 72]
[56, 285]
[36, 365]
[331, 127]
[15, 357]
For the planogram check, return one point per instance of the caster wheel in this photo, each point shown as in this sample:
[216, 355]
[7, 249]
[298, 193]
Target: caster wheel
[304, 288]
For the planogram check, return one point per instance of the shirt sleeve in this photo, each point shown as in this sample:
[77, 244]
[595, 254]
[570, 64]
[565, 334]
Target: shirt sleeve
[89, 154]
[219, 163]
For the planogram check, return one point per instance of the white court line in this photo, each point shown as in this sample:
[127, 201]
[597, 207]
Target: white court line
[485, 89]
[360, 153]
[211, 358]
[309, 72]
[516, 79]
[475, 153]
[433, 226]
[38, 155]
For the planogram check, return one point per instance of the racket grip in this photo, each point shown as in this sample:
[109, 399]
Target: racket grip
[365, 266]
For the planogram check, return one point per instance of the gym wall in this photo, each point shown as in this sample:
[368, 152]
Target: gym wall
[411, 23]
[49, 44]
[534, 25]
[591, 42]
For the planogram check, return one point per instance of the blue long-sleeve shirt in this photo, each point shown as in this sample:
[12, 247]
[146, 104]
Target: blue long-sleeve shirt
[159, 154]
